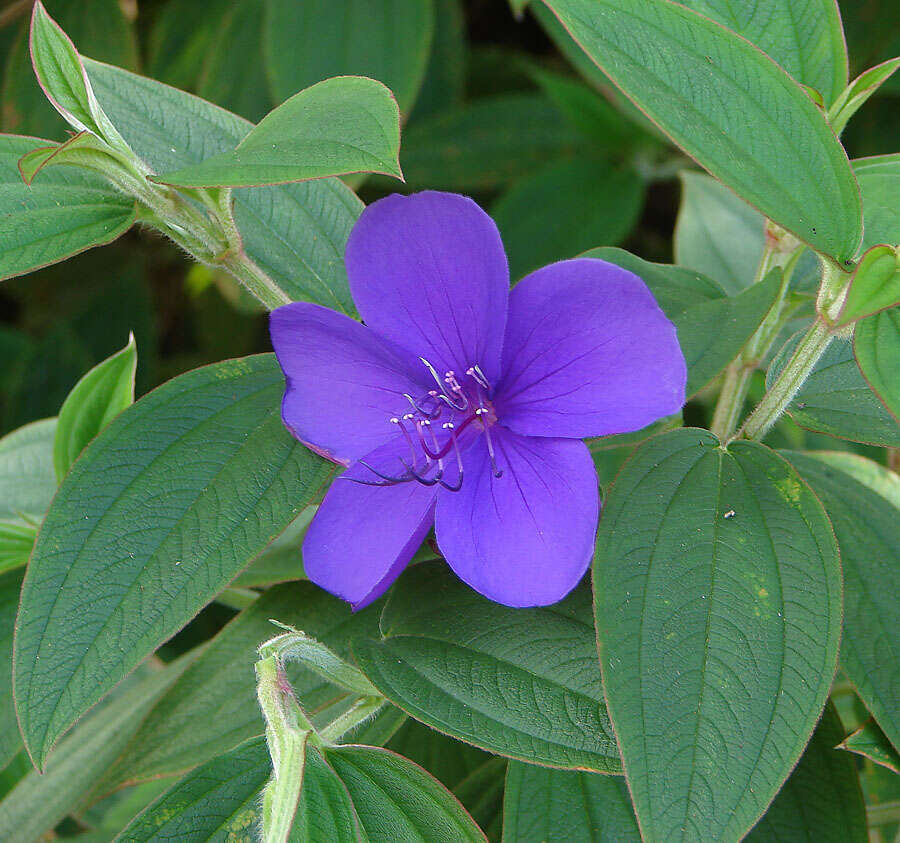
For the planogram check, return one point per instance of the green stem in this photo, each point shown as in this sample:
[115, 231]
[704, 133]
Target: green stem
[288, 731]
[792, 377]
[239, 264]
[359, 712]
[740, 371]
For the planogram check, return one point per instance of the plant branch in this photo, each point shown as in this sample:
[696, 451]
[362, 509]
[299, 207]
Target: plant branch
[796, 371]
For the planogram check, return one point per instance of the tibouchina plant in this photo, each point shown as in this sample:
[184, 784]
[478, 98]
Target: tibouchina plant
[399, 507]
[462, 406]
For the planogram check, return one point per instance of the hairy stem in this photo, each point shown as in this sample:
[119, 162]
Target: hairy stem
[288, 731]
[740, 370]
[792, 377]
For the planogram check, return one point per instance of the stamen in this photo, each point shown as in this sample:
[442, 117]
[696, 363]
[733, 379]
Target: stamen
[490, 446]
[412, 447]
[431, 414]
[477, 375]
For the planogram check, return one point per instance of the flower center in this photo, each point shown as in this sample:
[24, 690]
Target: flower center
[434, 424]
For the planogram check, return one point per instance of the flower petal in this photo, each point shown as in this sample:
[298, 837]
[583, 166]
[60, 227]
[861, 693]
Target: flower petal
[428, 272]
[588, 352]
[527, 537]
[363, 536]
[344, 382]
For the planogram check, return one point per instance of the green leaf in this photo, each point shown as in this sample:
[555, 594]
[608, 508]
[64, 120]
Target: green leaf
[717, 233]
[103, 393]
[821, 800]
[727, 105]
[213, 706]
[164, 508]
[865, 524]
[66, 212]
[565, 207]
[805, 38]
[694, 302]
[83, 150]
[40, 800]
[10, 741]
[342, 37]
[448, 760]
[389, 797]
[397, 800]
[875, 285]
[544, 806]
[870, 742]
[879, 184]
[182, 36]
[296, 233]
[62, 77]
[445, 76]
[27, 479]
[16, 541]
[717, 591]
[326, 812]
[481, 793]
[607, 129]
[282, 560]
[485, 144]
[858, 92]
[217, 801]
[876, 345]
[349, 124]
[836, 399]
[241, 87]
[99, 27]
[454, 660]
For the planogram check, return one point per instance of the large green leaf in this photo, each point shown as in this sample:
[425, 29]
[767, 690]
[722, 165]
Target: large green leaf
[717, 233]
[879, 184]
[729, 107]
[876, 346]
[836, 399]
[718, 605]
[805, 37]
[389, 42]
[566, 806]
[565, 207]
[349, 124]
[821, 800]
[96, 400]
[694, 302]
[454, 660]
[213, 706]
[397, 800]
[40, 801]
[486, 143]
[865, 524]
[296, 233]
[10, 741]
[165, 507]
[27, 479]
[63, 213]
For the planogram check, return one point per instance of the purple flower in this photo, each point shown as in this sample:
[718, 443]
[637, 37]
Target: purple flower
[462, 404]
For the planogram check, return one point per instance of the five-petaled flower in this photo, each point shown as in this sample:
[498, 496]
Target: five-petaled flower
[462, 404]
